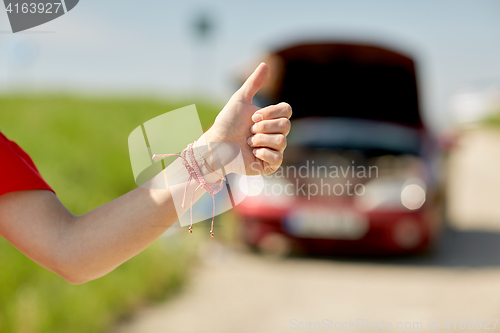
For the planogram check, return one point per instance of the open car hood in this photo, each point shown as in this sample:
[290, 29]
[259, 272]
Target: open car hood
[344, 80]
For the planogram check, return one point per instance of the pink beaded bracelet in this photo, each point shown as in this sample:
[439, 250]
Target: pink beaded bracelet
[189, 162]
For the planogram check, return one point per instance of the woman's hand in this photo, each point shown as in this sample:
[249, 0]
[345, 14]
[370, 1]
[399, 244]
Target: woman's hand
[260, 133]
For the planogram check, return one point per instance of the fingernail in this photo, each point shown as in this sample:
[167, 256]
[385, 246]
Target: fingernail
[253, 129]
[257, 117]
[250, 140]
[254, 152]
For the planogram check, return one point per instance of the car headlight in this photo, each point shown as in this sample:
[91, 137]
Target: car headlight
[392, 193]
[413, 194]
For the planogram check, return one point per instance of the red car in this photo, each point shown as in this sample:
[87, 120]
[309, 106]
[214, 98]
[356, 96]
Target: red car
[360, 174]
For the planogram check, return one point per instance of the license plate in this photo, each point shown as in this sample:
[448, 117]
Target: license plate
[326, 224]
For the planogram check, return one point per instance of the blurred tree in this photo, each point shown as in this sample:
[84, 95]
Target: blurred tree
[203, 25]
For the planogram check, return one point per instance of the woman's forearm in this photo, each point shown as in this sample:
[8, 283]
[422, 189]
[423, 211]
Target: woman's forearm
[113, 233]
[99, 241]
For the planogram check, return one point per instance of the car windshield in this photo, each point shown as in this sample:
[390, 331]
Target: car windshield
[369, 137]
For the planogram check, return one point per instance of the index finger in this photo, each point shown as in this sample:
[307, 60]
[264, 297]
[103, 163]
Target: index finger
[281, 110]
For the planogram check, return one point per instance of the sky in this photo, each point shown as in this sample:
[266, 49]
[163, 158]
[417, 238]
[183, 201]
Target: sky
[149, 47]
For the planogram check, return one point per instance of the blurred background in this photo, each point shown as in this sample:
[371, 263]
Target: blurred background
[420, 81]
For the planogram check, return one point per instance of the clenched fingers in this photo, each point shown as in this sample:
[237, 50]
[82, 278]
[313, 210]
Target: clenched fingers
[281, 110]
[273, 157]
[274, 126]
[273, 141]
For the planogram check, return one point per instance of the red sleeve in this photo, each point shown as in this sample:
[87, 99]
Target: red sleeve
[17, 170]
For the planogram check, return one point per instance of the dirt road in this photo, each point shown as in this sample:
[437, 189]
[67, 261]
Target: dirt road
[242, 293]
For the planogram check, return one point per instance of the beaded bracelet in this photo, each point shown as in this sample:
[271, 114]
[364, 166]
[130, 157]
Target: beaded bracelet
[189, 162]
[204, 162]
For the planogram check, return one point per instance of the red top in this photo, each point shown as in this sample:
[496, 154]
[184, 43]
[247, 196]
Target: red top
[17, 170]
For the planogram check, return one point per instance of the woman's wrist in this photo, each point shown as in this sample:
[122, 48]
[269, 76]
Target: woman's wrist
[226, 156]
[206, 152]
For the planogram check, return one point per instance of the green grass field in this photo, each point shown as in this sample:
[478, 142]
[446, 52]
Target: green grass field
[80, 147]
[493, 120]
